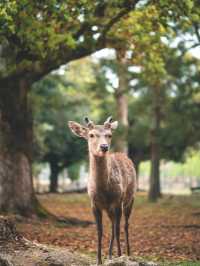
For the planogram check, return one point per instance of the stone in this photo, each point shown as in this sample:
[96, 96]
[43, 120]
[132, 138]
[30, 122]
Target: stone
[121, 261]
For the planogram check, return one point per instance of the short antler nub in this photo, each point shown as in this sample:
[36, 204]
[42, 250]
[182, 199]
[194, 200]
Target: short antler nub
[107, 123]
[109, 119]
[88, 122]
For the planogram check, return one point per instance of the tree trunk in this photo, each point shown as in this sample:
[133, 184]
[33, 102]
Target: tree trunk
[54, 177]
[122, 103]
[137, 164]
[136, 158]
[16, 188]
[154, 191]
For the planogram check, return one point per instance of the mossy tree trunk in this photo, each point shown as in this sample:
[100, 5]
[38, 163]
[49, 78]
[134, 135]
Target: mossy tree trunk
[16, 135]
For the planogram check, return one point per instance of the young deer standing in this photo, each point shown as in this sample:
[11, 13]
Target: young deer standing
[112, 180]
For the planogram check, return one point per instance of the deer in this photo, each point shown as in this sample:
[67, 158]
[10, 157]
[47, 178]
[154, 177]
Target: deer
[111, 183]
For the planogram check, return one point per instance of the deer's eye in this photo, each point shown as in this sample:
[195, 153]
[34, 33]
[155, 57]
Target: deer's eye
[91, 135]
[109, 136]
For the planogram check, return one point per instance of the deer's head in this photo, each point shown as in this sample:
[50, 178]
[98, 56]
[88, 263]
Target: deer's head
[98, 136]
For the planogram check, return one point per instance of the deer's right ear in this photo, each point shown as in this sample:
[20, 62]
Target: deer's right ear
[78, 129]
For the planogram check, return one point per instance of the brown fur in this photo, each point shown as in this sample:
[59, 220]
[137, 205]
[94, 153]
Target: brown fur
[112, 181]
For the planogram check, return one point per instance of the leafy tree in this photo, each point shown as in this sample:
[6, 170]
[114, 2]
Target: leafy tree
[179, 127]
[55, 103]
[35, 38]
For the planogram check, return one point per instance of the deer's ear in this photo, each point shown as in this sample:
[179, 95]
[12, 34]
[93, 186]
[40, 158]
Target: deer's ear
[78, 129]
[114, 125]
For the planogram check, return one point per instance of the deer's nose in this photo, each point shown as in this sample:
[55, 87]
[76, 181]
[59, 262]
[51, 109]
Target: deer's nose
[104, 147]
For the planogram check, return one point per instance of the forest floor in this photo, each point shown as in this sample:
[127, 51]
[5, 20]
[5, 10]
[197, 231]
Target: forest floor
[167, 232]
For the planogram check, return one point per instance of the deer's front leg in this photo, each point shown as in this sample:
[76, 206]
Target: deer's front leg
[118, 215]
[98, 217]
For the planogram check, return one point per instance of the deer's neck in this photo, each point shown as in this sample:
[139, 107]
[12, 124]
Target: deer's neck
[99, 170]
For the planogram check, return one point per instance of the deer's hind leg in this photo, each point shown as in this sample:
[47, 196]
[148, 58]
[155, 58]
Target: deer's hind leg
[127, 212]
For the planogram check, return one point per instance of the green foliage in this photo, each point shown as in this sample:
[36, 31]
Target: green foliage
[73, 171]
[38, 36]
[54, 105]
[179, 105]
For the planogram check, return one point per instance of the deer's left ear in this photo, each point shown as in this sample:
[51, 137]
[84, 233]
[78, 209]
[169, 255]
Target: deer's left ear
[114, 125]
[78, 129]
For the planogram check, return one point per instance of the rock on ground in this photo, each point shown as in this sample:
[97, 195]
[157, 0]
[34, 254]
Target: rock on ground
[126, 261]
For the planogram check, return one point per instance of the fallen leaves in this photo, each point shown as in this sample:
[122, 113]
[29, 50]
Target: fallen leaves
[167, 230]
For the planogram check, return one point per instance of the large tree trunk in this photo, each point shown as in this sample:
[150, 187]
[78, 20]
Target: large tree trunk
[154, 190]
[16, 188]
[54, 176]
[122, 103]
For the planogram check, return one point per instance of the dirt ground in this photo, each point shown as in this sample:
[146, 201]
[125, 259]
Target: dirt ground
[167, 231]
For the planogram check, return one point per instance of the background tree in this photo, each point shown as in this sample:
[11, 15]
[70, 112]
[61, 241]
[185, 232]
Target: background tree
[179, 127]
[54, 104]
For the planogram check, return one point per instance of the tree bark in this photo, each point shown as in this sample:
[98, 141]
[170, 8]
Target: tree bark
[154, 191]
[54, 176]
[122, 102]
[16, 188]
[137, 167]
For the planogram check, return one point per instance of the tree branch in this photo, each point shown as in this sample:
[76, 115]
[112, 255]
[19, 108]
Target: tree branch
[196, 30]
[129, 6]
[37, 69]
[184, 51]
